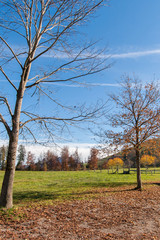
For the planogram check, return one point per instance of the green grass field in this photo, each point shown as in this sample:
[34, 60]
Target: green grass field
[58, 186]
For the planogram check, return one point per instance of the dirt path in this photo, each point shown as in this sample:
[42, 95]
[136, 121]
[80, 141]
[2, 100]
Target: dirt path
[120, 213]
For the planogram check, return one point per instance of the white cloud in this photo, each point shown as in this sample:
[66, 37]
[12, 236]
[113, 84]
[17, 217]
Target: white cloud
[63, 55]
[136, 54]
[82, 85]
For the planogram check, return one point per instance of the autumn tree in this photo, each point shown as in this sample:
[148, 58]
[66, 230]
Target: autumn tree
[42, 28]
[93, 159]
[152, 147]
[71, 163]
[31, 161]
[45, 166]
[48, 161]
[51, 160]
[104, 165]
[110, 163]
[137, 116]
[77, 161]
[65, 158]
[147, 160]
[118, 162]
[115, 163]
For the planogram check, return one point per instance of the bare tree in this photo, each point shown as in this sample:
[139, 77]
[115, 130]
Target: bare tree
[42, 28]
[137, 117]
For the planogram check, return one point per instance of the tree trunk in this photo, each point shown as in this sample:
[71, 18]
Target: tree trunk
[6, 198]
[139, 182]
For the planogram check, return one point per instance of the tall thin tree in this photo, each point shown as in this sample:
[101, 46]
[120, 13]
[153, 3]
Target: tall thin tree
[41, 28]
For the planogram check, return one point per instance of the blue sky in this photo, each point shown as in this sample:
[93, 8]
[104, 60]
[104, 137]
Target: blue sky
[130, 30]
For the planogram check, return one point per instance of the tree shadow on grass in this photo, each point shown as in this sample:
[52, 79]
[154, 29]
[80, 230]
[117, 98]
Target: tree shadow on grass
[155, 183]
[33, 196]
[95, 184]
[108, 184]
[81, 192]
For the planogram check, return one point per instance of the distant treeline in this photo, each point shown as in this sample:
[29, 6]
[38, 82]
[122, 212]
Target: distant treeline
[50, 161]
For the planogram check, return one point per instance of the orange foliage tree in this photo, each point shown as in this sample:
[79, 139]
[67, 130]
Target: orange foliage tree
[93, 159]
[147, 160]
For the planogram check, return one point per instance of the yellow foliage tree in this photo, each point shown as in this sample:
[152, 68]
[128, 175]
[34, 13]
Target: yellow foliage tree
[147, 160]
[115, 162]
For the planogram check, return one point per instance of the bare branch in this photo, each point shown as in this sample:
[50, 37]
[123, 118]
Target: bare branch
[138, 114]
[12, 58]
[3, 99]
[13, 30]
[9, 47]
[1, 69]
[78, 17]
[2, 120]
[31, 133]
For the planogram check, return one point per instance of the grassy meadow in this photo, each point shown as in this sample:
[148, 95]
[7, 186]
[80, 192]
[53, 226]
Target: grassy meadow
[32, 186]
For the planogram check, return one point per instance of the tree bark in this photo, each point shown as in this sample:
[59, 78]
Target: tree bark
[139, 182]
[6, 198]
